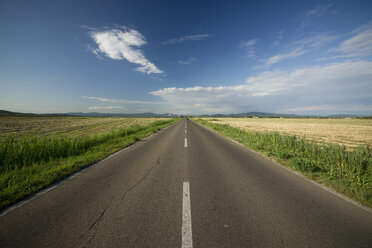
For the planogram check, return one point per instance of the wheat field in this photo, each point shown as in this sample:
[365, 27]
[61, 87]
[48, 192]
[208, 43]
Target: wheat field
[348, 132]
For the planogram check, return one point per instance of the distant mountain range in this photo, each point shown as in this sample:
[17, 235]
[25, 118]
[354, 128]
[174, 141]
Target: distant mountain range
[274, 115]
[249, 114]
[122, 115]
[91, 114]
[252, 114]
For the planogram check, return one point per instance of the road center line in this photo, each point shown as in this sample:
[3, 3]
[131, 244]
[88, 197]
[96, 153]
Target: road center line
[186, 217]
[185, 142]
[185, 130]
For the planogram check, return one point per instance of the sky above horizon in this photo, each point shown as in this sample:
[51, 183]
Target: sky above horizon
[186, 57]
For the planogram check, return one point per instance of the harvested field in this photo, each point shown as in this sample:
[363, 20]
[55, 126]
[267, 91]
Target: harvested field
[65, 126]
[348, 132]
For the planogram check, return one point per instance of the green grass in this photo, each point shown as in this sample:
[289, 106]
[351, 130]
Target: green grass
[349, 172]
[30, 164]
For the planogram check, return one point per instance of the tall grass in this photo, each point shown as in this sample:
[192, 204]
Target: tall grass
[29, 164]
[16, 153]
[347, 171]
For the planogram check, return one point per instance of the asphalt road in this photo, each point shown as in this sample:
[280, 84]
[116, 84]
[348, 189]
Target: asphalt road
[188, 188]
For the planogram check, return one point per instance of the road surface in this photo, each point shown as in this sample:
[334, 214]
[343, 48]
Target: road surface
[186, 186]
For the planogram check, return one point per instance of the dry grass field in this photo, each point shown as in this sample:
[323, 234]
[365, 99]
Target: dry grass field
[65, 126]
[348, 132]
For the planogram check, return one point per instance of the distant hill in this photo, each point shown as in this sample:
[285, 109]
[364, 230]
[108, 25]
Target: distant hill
[122, 115]
[4, 113]
[344, 116]
[253, 114]
[274, 115]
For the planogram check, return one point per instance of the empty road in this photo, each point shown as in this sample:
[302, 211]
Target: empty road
[186, 186]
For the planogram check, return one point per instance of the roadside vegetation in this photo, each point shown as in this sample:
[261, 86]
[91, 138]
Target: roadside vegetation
[348, 171]
[30, 163]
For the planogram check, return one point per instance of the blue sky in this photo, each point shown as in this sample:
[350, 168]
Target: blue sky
[186, 57]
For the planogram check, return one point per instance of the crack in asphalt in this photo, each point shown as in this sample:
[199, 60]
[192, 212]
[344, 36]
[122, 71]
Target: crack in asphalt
[96, 222]
[91, 227]
[139, 181]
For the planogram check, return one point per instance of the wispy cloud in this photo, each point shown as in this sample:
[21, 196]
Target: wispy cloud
[112, 100]
[319, 10]
[248, 43]
[302, 46]
[281, 56]
[336, 74]
[249, 47]
[120, 43]
[103, 108]
[360, 44]
[278, 91]
[186, 38]
[186, 62]
[316, 12]
[279, 37]
[316, 40]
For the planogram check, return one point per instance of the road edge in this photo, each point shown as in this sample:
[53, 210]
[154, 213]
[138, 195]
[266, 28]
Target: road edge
[68, 178]
[322, 186]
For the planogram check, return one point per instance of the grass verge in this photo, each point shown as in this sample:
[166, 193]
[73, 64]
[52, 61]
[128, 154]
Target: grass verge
[349, 172]
[31, 164]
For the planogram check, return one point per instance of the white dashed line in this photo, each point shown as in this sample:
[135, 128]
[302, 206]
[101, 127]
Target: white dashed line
[185, 142]
[186, 217]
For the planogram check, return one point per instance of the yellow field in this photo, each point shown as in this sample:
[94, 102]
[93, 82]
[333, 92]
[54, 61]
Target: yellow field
[65, 126]
[349, 132]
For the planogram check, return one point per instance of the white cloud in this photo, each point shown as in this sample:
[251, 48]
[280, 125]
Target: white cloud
[281, 56]
[319, 10]
[249, 46]
[360, 44]
[340, 74]
[187, 38]
[312, 108]
[186, 62]
[248, 43]
[302, 46]
[277, 91]
[331, 107]
[316, 40]
[111, 100]
[107, 107]
[119, 43]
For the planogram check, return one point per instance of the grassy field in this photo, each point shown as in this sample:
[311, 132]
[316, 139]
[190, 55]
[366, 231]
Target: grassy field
[348, 132]
[38, 151]
[347, 170]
